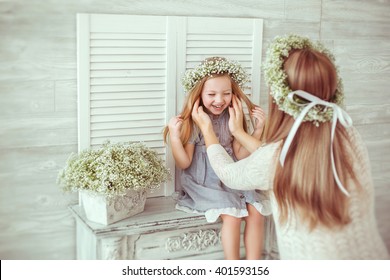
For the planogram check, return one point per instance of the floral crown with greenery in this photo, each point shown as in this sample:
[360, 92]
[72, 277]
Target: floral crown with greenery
[276, 78]
[215, 65]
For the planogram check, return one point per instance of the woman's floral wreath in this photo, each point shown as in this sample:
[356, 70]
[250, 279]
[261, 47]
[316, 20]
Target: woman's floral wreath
[276, 78]
[215, 65]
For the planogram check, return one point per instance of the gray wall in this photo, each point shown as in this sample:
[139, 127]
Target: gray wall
[38, 107]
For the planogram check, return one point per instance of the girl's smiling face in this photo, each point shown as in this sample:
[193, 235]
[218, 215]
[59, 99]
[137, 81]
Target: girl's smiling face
[217, 94]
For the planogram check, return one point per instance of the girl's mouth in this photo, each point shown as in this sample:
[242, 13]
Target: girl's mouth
[217, 107]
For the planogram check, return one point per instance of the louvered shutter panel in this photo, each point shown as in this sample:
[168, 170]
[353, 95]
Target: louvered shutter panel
[123, 81]
[129, 70]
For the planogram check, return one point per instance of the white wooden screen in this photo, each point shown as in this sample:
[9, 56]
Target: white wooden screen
[129, 70]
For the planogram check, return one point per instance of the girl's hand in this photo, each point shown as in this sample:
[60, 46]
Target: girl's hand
[174, 125]
[236, 116]
[200, 117]
[259, 119]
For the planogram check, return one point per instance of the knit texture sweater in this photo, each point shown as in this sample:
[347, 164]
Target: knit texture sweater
[360, 239]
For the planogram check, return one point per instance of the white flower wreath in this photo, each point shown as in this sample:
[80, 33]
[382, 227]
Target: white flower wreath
[215, 65]
[276, 78]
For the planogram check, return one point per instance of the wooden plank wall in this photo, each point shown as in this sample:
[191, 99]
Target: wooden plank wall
[38, 107]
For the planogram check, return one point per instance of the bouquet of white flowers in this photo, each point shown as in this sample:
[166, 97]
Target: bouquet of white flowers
[114, 168]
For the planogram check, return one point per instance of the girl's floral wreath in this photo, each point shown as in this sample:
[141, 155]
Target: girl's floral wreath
[276, 78]
[215, 65]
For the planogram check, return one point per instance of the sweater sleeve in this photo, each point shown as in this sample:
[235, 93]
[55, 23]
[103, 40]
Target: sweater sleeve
[249, 173]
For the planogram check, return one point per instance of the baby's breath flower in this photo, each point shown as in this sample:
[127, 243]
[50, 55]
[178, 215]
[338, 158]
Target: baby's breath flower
[216, 65]
[276, 78]
[113, 168]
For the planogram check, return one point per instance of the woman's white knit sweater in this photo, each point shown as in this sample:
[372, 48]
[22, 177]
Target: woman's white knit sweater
[358, 240]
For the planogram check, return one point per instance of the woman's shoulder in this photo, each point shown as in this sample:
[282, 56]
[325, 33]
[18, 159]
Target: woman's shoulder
[353, 134]
[273, 146]
[357, 144]
[268, 150]
[358, 152]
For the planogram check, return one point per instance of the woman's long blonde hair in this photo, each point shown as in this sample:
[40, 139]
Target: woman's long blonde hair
[306, 184]
[193, 95]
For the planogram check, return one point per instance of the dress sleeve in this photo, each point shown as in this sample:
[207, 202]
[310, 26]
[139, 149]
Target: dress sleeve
[249, 173]
[195, 135]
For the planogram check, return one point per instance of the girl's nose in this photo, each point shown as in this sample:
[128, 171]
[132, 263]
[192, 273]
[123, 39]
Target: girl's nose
[218, 98]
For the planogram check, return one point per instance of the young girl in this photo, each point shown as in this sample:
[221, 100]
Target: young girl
[214, 83]
[313, 160]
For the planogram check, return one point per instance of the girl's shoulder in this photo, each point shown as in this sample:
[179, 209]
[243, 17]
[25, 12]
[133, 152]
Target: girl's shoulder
[196, 135]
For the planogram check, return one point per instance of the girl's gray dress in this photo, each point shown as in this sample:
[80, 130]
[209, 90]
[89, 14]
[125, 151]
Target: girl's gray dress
[203, 192]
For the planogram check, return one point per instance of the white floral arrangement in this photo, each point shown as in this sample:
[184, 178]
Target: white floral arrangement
[276, 78]
[215, 65]
[113, 168]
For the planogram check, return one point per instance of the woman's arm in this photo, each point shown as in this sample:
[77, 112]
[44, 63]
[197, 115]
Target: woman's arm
[258, 116]
[204, 123]
[250, 173]
[239, 151]
[248, 142]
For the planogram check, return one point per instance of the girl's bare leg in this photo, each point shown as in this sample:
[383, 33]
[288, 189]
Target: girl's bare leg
[254, 234]
[231, 237]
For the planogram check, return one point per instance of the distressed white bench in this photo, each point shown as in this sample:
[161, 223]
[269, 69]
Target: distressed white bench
[160, 232]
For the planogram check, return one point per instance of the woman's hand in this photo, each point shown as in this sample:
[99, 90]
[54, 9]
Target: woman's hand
[200, 117]
[236, 116]
[249, 142]
[174, 125]
[204, 123]
[259, 119]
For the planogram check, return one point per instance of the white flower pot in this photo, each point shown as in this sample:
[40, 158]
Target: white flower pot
[100, 209]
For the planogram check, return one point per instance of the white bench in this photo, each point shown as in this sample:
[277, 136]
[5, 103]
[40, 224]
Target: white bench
[160, 232]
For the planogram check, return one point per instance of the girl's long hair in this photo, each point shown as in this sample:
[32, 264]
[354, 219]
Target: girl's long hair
[193, 95]
[306, 186]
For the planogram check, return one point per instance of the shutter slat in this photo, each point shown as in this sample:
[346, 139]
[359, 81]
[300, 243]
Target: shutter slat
[127, 58]
[128, 43]
[127, 117]
[128, 80]
[133, 138]
[128, 73]
[127, 50]
[219, 37]
[129, 131]
[128, 124]
[219, 44]
[127, 103]
[127, 65]
[128, 36]
[126, 95]
[127, 110]
[119, 88]
[220, 51]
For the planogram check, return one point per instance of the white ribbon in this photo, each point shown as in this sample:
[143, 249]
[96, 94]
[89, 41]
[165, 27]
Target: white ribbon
[338, 115]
